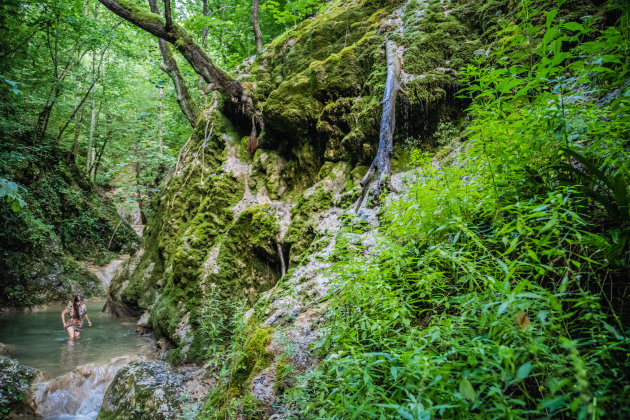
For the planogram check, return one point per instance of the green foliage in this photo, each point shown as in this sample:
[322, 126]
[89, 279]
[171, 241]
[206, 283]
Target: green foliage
[497, 288]
[241, 355]
[64, 220]
[11, 191]
[292, 11]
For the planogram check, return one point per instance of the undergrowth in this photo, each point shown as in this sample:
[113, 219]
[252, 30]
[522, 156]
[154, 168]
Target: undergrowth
[498, 286]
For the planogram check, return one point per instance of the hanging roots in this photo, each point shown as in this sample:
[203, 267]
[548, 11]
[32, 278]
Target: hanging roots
[252, 144]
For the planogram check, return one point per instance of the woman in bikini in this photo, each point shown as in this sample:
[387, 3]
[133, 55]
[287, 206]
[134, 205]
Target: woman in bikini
[77, 310]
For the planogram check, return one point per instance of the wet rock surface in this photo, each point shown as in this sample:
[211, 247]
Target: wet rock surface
[78, 393]
[15, 379]
[153, 390]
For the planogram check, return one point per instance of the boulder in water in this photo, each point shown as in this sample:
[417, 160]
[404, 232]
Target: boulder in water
[78, 393]
[153, 390]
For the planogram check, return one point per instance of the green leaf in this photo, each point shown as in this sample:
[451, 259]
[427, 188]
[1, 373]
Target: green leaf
[613, 331]
[503, 308]
[524, 370]
[551, 16]
[574, 26]
[15, 205]
[466, 390]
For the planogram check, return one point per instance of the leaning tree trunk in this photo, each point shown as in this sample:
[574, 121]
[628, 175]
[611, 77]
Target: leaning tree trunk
[257, 33]
[382, 161]
[169, 66]
[193, 53]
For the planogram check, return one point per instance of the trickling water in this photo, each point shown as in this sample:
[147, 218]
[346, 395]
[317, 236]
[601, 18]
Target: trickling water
[75, 373]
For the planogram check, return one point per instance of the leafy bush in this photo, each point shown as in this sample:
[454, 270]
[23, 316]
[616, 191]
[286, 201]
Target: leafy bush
[497, 288]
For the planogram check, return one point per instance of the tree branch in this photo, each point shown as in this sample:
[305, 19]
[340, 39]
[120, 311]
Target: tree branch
[178, 37]
[257, 33]
[169, 66]
[167, 14]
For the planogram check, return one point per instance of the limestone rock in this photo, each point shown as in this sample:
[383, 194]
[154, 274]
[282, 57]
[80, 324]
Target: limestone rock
[15, 380]
[152, 390]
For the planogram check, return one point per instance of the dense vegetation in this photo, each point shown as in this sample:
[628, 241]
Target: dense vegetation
[499, 284]
[491, 282]
[85, 111]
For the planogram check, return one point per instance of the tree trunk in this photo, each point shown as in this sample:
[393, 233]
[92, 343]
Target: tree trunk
[257, 33]
[169, 66]
[72, 156]
[160, 130]
[89, 161]
[204, 37]
[99, 156]
[382, 161]
[139, 198]
[76, 109]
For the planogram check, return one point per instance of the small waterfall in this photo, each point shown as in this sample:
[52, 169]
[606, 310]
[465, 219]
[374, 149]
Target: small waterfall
[77, 395]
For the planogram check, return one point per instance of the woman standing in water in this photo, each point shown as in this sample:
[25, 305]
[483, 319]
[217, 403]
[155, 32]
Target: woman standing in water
[77, 310]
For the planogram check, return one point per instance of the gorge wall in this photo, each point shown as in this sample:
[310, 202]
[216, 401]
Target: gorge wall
[238, 234]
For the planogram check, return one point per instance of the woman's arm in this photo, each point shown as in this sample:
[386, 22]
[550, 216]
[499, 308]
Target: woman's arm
[63, 317]
[88, 319]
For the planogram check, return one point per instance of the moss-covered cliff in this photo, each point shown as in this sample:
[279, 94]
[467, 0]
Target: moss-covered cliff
[228, 222]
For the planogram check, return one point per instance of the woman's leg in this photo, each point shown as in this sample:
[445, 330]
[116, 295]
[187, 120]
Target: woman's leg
[70, 331]
[77, 328]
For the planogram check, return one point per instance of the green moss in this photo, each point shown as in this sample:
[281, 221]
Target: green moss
[233, 395]
[301, 232]
[268, 171]
[248, 263]
[324, 58]
[291, 109]
[255, 356]
[284, 375]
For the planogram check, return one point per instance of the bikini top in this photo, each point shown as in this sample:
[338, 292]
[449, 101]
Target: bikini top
[82, 310]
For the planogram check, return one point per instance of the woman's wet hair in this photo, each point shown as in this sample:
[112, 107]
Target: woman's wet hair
[75, 304]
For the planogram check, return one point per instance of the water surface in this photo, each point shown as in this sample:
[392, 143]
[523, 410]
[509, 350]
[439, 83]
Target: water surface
[39, 340]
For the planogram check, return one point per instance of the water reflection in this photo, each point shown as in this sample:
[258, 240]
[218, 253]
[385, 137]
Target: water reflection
[40, 341]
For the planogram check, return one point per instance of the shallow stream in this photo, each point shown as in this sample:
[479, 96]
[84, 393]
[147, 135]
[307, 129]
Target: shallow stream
[76, 373]
[39, 340]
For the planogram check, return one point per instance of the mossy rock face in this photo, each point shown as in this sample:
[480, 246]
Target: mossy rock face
[268, 171]
[248, 262]
[334, 178]
[234, 394]
[144, 390]
[15, 380]
[327, 57]
[291, 109]
[320, 89]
